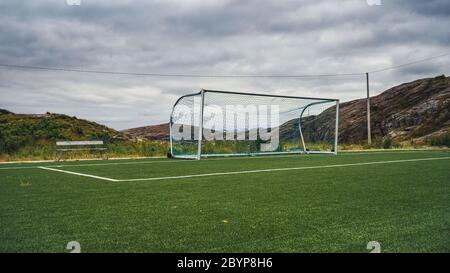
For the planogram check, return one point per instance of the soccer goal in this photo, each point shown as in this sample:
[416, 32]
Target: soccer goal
[220, 123]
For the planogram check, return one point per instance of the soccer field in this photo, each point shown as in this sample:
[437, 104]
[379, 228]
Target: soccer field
[296, 203]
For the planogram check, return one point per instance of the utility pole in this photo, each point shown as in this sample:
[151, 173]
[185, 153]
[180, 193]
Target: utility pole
[369, 134]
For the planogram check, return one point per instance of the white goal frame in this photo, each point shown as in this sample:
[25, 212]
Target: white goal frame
[201, 95]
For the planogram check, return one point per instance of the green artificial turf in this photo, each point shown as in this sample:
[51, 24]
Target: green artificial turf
[405, 206]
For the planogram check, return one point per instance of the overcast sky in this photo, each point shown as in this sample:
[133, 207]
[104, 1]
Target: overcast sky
[213, 38]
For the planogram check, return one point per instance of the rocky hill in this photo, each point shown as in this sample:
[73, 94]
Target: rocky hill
[411, 111]
[154, 132]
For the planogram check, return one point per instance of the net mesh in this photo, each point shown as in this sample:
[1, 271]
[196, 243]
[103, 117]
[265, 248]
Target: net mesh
[184, 126]
[239, 124]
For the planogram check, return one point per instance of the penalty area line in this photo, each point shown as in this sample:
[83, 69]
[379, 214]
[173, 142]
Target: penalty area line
[281, 169]
[79, 174]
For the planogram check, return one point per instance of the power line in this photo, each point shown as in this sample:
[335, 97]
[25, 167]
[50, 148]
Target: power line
[13, 66]
[408, 64]
[174, 75]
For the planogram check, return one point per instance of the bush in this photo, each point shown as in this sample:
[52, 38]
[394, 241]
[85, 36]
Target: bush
[440, 140]
[387, 143]
[382, 143]
[78, 130]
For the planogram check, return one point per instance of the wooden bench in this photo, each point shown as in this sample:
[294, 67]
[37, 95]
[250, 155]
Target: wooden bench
[87, 145]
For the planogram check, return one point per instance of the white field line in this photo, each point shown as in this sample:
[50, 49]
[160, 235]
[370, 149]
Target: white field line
[19, 168]
[282, 169]
[341, 152]
[219, 159]
[393, 150]
[79, 174]
[95, 164]
[81, 159]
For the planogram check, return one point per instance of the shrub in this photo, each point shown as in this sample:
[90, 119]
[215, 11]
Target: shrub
[387, 143]
[78, 130]
[440, 140]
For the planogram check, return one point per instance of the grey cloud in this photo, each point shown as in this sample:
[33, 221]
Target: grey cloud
[433, 8]
[207, 37]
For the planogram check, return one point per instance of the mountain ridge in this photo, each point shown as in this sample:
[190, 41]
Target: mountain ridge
[409, 112]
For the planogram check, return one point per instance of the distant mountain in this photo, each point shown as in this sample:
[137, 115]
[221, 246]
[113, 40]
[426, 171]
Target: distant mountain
[410, 111]
[153, 132]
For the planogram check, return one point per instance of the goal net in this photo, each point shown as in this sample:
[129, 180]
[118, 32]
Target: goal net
[219, 123]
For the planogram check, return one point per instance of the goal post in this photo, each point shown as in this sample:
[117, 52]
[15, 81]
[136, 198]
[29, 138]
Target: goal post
[222, 123]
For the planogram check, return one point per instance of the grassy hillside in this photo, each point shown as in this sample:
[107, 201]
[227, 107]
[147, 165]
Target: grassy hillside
[25, 136]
